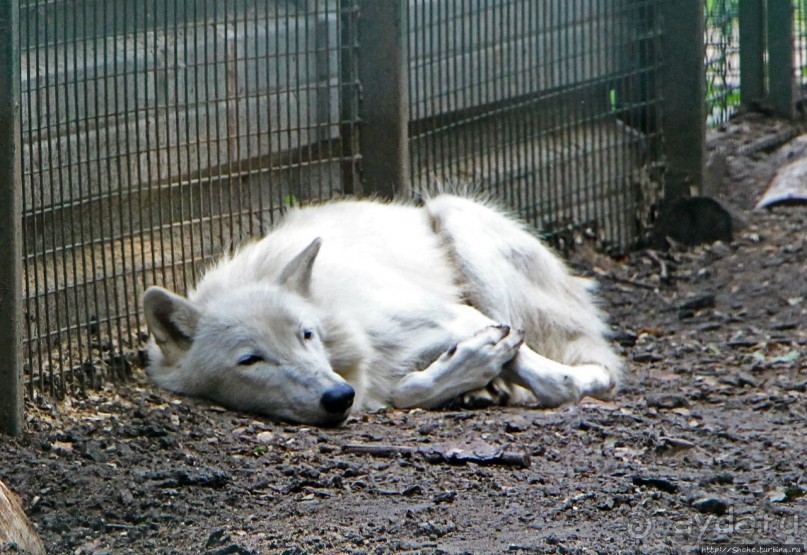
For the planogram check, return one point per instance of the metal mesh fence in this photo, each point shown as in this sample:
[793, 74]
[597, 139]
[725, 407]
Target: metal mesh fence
[157, 134]
[722, 60]
[552, 106]
[800, 45]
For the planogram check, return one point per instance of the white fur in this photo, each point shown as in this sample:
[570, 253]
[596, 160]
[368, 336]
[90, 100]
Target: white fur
[411, 306]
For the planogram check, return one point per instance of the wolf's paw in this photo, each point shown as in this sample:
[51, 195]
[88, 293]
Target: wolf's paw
[496, 392]
[487, 351]
[595, 381]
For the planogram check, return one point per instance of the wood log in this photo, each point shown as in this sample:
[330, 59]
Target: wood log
[789, 185]
[15, 528]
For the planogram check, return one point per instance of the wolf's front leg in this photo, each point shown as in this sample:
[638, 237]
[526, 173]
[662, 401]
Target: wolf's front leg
[469, 365]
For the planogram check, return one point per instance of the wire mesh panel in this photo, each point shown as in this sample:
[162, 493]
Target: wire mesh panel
[156, 135]
[722, 60]
[800, 44]
[551, 105]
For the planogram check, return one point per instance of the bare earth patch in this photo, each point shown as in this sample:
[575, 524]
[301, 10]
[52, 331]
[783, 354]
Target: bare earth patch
[705, 445]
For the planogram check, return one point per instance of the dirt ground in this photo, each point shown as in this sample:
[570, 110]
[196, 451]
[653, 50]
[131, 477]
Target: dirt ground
[706, 444]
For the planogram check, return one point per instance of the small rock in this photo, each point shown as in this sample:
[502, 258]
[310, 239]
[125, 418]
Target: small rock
[428, 428]
[516, 424]
[217, 537]
[672, 445]
[784, 326]
[126, 497]
[412, 490]
[204, 477]
[666, 401]
[710, 326]
[801, 387]
[786, 493]
[626, 338]
[444, 497]
[739, 380]
[265, 437]
[710, 505]
[151, 430]
[232, 549]
[434, 530]
[741, 343]
[403, 545]
[92, 451]
[62, 447]
[647, 357]
[697, 302]
[774, 262]
[607, 504]
[720, 479]
[662, 484]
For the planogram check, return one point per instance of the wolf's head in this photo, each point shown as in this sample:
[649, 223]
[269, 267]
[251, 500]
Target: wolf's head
[256, 347]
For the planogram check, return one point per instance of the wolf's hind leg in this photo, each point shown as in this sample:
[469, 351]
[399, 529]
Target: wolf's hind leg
[553, 383]
[468, 366]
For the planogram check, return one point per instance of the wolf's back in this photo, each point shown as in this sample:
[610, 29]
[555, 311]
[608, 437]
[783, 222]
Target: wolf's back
[375, 257]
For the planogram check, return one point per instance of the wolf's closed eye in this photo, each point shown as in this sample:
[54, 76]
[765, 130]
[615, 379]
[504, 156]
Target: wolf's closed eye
[249, 360]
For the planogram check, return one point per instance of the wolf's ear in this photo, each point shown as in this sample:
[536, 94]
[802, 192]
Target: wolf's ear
[172, 320]
[296, 276]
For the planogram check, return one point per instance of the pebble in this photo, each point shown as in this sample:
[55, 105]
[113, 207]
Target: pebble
[265, 437]
[662, 484]
[516, 424]
[646, 357]
[607, 504]
[126, 497]
[738, 380]
[666, 401]
[785, 494]
[697, 302]
[444, 497]
[721, 479]
[710, 505]
[672, 445]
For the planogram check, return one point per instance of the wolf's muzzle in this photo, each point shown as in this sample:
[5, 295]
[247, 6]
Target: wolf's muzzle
[338, 399]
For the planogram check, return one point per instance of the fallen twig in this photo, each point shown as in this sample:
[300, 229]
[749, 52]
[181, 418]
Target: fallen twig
[477, 452]
[384, 451]
[768, 142]
[626, 281]
[663, 274]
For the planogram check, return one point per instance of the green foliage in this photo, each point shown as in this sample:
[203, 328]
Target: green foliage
[290, 201]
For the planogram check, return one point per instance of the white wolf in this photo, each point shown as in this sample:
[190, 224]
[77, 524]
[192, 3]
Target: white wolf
[354, 305]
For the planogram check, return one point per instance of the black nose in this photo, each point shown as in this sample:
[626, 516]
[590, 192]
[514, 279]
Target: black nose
[338, 399]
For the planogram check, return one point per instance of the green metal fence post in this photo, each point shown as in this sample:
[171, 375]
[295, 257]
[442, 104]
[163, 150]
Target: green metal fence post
[781, 77]
[11, 398]
[683, 86]
[384, 108]
[349, 96]
[752, 51]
